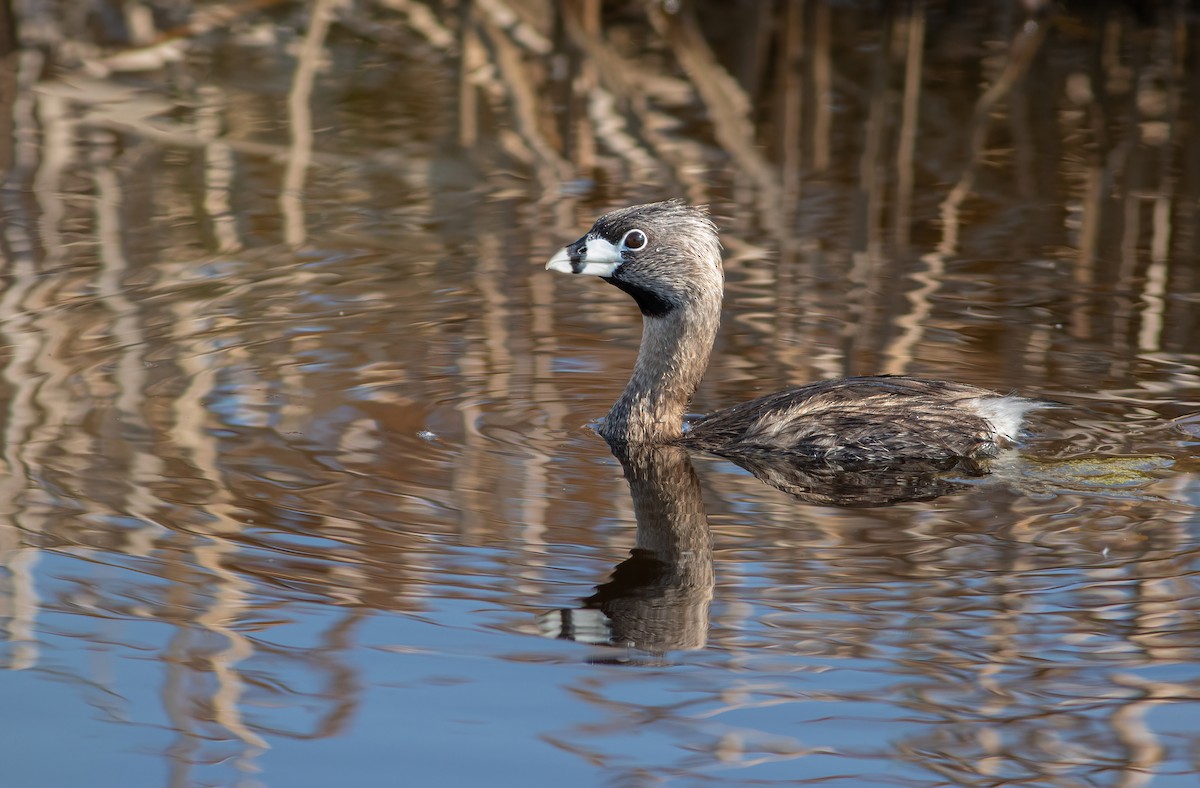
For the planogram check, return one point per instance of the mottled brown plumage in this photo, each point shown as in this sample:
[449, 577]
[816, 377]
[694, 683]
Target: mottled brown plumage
[667, 256]
[857, 420]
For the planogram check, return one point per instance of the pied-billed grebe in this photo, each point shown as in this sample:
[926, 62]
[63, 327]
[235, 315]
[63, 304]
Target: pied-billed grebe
[668, 257]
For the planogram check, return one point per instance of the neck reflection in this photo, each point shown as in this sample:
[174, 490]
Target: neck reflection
[657, 599]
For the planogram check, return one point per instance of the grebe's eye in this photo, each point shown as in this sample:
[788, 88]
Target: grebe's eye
[634, 240]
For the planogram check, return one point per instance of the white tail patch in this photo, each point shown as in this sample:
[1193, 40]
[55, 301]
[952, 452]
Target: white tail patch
[1005, 413]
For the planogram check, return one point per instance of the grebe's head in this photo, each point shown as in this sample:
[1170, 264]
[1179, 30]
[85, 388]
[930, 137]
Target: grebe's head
[665, 254]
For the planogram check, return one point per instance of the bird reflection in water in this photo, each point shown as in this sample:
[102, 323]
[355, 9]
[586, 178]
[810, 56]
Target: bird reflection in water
[658, 599]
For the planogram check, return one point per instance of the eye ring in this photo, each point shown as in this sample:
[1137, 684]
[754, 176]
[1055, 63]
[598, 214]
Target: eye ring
[634, 240]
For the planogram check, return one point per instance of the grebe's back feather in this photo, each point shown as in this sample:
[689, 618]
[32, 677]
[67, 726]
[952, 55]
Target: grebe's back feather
[867, 420]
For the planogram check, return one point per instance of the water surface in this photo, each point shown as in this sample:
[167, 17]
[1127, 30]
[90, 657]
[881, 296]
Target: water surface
[297, 479]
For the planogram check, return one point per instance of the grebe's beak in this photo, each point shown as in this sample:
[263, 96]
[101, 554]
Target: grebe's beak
[589, 255]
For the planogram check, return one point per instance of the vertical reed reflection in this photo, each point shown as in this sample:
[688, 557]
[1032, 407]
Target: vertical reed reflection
[291, 193]
[914, 51]
[21, 601]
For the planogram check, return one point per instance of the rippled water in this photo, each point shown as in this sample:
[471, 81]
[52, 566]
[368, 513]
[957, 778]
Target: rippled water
[297, 482]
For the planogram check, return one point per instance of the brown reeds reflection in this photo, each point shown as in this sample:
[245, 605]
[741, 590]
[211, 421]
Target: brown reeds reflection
[1053, 139]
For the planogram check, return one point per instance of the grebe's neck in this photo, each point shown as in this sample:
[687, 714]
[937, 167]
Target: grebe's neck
[671, 361]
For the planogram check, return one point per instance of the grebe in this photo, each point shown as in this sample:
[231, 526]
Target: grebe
[667, 256]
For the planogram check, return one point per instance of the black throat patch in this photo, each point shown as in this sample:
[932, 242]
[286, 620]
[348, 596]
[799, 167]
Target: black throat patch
[651, 304]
